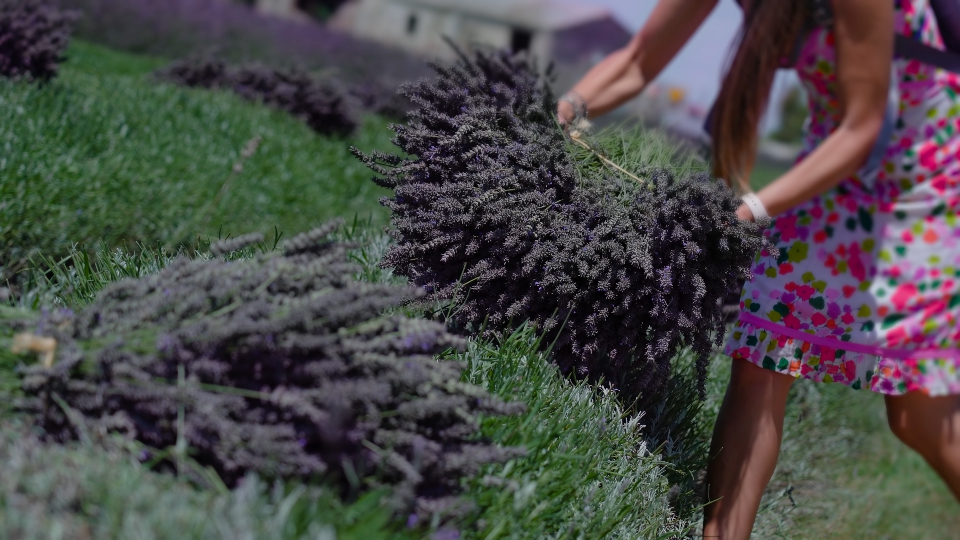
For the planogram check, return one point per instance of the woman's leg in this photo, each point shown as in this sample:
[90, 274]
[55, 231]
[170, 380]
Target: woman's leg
[746, 442]
[931, 426]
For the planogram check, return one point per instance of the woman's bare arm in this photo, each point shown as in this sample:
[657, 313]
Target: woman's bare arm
[864, 40]
[624, 73]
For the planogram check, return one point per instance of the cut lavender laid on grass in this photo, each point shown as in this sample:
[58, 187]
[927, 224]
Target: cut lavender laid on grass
[322, 104]
[493, 211]
[33, 37]
[279, 364]
[381, 98]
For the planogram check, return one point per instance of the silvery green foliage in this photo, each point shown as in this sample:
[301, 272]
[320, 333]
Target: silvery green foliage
[488, 211]
[322, 104]
[85, 492]
[280, 364]
[33, 37]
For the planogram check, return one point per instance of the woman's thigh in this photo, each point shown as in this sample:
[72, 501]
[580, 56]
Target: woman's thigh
[747, 376]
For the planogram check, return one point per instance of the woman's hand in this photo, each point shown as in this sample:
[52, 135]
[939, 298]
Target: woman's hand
[744, 213]
[565, 114]
[625, 72]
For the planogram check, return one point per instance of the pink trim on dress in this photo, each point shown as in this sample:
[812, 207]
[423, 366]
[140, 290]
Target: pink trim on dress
[834, 343]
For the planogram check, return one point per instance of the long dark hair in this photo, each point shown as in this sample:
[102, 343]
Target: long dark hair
[768, 36]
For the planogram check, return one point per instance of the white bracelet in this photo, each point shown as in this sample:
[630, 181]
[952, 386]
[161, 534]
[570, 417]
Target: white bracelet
[756, 207]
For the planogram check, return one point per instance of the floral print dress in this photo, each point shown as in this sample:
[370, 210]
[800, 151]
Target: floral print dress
[866, 289]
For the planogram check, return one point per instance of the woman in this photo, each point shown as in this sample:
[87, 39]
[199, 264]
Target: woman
[866, 291]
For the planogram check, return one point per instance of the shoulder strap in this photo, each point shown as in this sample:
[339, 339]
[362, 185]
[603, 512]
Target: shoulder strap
[821, 13]
[908, 47]
[904, 46]
[947, 13]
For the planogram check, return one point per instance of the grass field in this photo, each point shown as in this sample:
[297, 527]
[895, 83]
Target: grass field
[80, 492]
[105, 153]
[105, 157]
[764, 173]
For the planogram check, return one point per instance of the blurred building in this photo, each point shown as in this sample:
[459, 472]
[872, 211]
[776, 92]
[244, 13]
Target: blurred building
[563, 31]
[669, 107]
[281, 8]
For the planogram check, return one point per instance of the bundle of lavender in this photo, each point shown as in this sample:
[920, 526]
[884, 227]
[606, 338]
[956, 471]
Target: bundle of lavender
[280, 364]
[492, 210]
[33, 37]
[323, 105]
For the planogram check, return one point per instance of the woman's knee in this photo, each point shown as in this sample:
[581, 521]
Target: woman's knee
[900, 426]
[928, 425]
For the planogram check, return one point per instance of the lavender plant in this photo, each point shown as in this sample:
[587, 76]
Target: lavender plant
[33, 37]
[198, 72]
[280, 364]
[326, 107]
[381, 98]
[490, 212]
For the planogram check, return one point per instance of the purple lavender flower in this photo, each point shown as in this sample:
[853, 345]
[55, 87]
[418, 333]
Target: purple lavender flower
[33, 37]
[297, 378]
[489, 210]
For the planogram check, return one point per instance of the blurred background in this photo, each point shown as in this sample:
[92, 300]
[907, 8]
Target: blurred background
[380, 43]
[574, 34]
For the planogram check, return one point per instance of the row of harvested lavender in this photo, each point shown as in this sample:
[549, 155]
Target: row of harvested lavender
[327, 106]
[33, 37]
[280, 364]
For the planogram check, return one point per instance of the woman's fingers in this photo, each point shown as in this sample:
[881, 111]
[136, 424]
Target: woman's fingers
[744, 213]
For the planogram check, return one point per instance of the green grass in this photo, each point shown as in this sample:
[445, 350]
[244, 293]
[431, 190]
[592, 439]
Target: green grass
[105, 153]
[764, 173]
[635, 149]
[906, 498]
[588, 473]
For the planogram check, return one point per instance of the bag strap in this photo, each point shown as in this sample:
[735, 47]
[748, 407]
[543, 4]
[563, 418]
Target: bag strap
[908, 47]
[947, 13]
[904, 46]
[871, 167]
